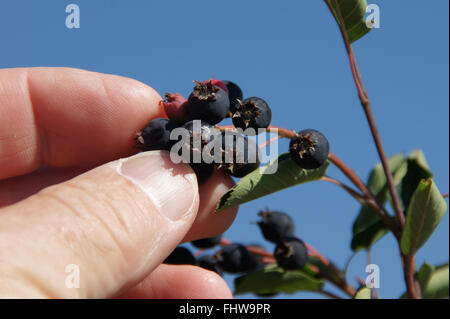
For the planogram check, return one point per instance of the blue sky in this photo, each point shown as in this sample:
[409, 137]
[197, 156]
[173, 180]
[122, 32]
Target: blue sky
[291, 54]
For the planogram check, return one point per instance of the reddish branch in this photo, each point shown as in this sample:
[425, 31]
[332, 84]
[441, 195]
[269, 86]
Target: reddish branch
[409, 264]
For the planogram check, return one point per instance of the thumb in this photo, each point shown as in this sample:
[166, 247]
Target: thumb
[99, 233]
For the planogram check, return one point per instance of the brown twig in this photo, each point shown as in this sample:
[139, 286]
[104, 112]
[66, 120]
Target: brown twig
[365, 102]
[360, 197]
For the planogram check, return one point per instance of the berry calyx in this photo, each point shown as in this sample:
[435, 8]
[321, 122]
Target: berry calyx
[208, 102]
[275, 225]
[176, 107]
[235, 258]
[180, 256]
[218, 83]
[207, 243]
[252, 113]
[156, 135]
[309, 149]
[234, 94]
[291, 253]
[240, 155]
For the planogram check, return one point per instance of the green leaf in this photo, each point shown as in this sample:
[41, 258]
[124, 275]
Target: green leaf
[368, 228]
[437, 285]
[434, 281]
[369, 236]
[363, 293]
[272, 280]
[353, 13]
[257, 184]
[426, 210]
[424, 275]
[409, 175]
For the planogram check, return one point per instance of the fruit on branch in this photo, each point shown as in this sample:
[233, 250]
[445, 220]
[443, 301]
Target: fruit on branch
[208, 102]
[240, 155]
[235, 258]
[209, 262]
[234, 94]
[207, 243]
[275, 225]
[291, 253]
[218, 83]
[156, 135]
[180, 256]
[252, 113]
[176, 107]
[309, 149]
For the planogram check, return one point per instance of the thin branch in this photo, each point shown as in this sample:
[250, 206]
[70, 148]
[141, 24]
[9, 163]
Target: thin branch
[360, 197]
[372, 201]
[409, 264]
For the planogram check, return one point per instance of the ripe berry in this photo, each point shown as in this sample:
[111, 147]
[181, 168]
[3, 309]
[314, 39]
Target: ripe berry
[156, 135]
[291, 253]
[235, 258]
[275, 225]
[203, 171]
[176, 107]
[240, 155]
[210, 263]
[234, 94]
[252, 113]
[180, 256]
[197, 134]
[207, 243]
[309, 149]
[208, 102]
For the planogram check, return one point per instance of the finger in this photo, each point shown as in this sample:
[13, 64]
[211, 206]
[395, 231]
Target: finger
[18, 188]
[208, 223]
[65, 117]
[115, 223]
[180, 282]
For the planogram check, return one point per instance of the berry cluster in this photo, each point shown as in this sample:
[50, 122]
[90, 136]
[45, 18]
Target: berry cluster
[290, 252]
[209, 103]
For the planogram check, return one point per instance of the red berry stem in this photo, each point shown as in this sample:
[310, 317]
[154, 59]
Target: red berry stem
[408, 261]
[337, 279]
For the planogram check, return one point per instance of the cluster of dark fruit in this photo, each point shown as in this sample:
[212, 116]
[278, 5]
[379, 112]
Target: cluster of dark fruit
[210, 102]
[290, 252]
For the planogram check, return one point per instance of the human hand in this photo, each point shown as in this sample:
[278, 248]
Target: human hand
[117, 222]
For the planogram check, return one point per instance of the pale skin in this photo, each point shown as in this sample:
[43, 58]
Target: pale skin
[61, 204]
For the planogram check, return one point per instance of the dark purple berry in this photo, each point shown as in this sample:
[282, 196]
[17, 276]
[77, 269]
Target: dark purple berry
[235, 258]
[194, 137]
[203, 171]
[207, 243]
[210, 263]
[240, 155]
[252, 113]
[309, 149]
[208, 102]
[275, 225]
[291, 253]
[156, 135]
[234, 94]
[180, 256]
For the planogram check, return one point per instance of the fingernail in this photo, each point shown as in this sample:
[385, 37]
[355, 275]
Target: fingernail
[171, 187]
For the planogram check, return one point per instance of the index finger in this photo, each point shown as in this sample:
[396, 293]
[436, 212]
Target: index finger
[69, 117]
